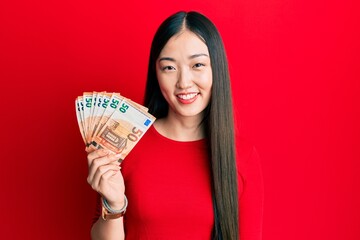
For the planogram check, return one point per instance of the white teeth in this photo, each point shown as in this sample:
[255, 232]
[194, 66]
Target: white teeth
[187, 96]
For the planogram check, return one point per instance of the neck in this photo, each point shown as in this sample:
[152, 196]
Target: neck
[181, 128]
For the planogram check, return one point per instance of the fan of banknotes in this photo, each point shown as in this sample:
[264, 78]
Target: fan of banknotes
[111, 121]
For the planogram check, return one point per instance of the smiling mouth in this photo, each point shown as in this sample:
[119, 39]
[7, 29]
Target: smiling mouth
[188, 96]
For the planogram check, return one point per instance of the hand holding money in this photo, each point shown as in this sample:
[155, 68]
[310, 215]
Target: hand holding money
[111, 121]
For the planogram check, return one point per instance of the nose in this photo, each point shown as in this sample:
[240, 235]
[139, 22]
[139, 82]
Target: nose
[185, 80]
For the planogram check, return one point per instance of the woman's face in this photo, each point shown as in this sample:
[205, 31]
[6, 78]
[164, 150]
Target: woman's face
[184, 73]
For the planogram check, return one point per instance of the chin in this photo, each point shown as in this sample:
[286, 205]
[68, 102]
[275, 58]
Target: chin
[191, 113]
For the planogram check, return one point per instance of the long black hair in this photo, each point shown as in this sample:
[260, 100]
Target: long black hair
[218, 117]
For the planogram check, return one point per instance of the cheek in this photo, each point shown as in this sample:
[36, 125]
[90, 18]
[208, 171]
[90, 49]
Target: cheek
[165, 89]
[163, 85]
[206, 81]
[167, 82]
[160, 80]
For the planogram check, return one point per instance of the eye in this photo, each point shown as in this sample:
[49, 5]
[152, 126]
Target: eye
[168, 68]
[198, 65]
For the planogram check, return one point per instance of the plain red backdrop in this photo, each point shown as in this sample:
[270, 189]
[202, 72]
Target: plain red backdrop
[295, 74]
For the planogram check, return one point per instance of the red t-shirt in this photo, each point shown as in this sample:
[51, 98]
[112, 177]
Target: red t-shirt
[168, 186]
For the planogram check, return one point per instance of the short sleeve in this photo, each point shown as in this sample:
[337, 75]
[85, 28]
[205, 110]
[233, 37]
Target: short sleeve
[251, 192]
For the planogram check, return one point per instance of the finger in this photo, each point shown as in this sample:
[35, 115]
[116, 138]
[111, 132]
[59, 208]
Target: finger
[97, 162]
[97, 154]
[97, 166]
[107, 159]
[104, 178]
[94, 179]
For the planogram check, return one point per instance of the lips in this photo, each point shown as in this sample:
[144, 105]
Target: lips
[187, 98]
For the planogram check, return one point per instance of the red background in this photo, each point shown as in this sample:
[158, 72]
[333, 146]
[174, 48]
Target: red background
[295, 72]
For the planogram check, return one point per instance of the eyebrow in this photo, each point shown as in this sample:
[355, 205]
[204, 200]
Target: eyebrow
[190, 57]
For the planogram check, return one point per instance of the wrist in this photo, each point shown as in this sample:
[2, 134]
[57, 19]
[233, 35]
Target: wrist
[109, 213]
[117, 205]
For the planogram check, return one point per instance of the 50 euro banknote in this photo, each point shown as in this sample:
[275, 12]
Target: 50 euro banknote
[111, 121]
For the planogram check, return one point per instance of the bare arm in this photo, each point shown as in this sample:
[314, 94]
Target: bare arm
[105, 178]
[110, 229]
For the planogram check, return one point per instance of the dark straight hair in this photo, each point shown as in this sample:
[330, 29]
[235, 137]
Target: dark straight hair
[218, 117]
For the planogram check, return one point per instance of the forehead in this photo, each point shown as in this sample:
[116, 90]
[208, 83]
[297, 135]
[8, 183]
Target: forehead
[184, 43]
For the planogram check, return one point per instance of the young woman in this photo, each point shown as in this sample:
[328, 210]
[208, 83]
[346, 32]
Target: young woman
[187, 178]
